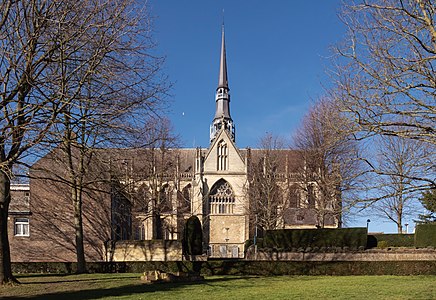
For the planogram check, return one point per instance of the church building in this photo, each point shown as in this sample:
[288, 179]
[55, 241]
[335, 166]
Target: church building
[218, 186]
[145, 194]
[214, 183]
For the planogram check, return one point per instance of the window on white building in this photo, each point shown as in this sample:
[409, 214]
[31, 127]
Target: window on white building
[221, 198]
[235, 251]
[311, 196]
[294, 196]
[21, 227]
[140, 232]
[223, 250]
[223, 156]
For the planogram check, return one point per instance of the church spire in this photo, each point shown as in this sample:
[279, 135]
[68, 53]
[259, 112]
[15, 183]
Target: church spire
[222, 117]
[222, 80]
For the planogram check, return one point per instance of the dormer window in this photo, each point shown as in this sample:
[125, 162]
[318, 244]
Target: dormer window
[223, 156]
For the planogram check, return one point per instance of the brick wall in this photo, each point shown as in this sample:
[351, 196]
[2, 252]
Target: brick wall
[52, 235]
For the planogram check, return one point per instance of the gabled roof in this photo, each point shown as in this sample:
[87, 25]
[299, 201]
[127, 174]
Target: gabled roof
[142, 161]
[218, 138]
[289, 159]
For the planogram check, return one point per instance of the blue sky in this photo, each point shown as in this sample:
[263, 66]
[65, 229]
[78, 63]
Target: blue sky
[276, 54]
[277, 57]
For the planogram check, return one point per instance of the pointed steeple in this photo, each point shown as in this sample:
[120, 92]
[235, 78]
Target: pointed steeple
[222, 117]
[222, 80]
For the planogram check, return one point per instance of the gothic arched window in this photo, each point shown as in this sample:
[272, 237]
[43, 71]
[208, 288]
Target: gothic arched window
[184, 198]
[222, 156]
[311, 196]
[294, 196]
[221, 198]
[165, 200]
[142, 201]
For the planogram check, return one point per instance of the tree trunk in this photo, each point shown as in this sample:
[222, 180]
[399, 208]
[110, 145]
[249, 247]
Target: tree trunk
[5, 255]
[400, 226]
[78, 228]
[76, 180]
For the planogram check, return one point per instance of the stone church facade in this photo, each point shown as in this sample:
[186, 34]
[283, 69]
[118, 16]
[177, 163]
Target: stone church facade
[144, 194]
[217, 186]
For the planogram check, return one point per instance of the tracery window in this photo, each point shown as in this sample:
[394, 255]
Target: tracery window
[311, 196]
[294, 196]
[165, 199]
[221, 198]
[184, 199]
[223, 156]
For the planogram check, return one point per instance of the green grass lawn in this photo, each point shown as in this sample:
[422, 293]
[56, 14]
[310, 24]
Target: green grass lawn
[128, 286]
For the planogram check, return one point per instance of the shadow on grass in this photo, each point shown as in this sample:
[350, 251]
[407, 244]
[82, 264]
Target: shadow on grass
[126, 290]
[70, 278]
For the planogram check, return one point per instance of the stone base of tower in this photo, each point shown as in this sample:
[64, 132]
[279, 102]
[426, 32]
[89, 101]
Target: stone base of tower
[227, 236]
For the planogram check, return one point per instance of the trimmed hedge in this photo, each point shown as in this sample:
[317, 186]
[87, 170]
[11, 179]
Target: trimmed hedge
[243, 267]
[192, 242]
[392, 240]
[100, 267]
[259, 243]
[287, 239]
[425, 235]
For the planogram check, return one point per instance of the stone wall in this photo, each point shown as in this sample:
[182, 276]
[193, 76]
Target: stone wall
[400, 254]
[168, 250]
[151, 250]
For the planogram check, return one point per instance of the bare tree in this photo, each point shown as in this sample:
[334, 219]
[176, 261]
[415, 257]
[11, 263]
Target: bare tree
[267, 189]
[123, 86]
[386, 73]
[400, 160]
[30, 99]
[57, 59]
[332, 170]
[161, 167]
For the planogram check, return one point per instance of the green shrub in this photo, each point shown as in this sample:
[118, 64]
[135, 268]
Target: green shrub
[425, 235]
[259, 243]
[382, 244]
[192, 242]
[395, 240]
[326, 237]
[371, 241]
[241, 267]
